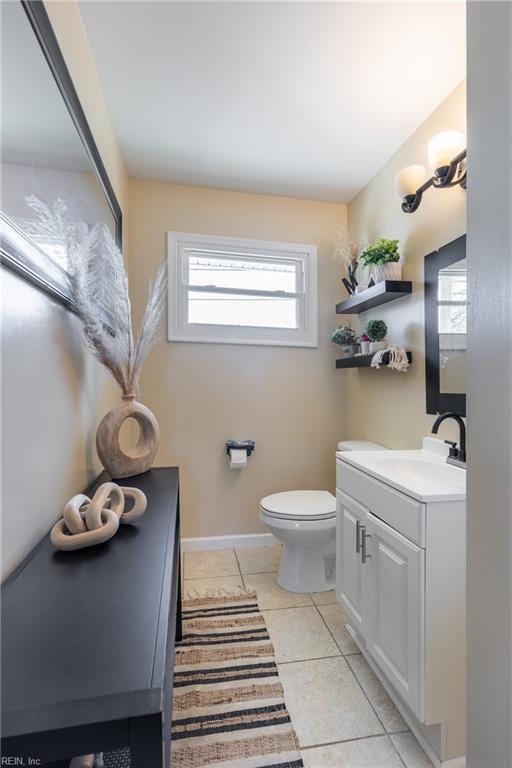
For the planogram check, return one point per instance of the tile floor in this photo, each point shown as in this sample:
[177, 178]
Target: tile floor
[348, 720]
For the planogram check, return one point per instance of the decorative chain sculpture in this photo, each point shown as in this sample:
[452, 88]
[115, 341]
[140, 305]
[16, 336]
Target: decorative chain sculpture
[87, 522]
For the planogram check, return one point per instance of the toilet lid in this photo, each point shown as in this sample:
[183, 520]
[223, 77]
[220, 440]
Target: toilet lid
[300, 505]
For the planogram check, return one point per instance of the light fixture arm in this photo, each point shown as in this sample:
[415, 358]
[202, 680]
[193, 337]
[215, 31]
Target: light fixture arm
[411, 203]
[452, 175]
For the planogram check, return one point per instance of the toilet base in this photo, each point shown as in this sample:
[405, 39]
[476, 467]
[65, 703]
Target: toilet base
[304, 570]
[309, 551]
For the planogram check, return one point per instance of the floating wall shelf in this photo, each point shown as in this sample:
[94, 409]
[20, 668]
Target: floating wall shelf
[363, 361]
[388, 290]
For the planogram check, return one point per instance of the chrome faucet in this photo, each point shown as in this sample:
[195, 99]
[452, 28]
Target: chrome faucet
[457, 453]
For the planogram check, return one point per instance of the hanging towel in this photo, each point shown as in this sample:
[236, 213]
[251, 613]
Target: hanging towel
[397, 358]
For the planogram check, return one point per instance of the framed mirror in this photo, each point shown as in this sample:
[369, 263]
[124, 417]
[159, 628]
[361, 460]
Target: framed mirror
[48, 151]
[446, 328]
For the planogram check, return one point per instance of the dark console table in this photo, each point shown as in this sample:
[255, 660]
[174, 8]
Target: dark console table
[88, 640]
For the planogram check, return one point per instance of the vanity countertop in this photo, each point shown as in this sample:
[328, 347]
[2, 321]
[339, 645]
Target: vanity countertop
[422, 474]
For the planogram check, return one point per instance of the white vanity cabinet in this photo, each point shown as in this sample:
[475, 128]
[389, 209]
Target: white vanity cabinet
[350, 517]
[401, 580]
[395, 615]
[380, 584]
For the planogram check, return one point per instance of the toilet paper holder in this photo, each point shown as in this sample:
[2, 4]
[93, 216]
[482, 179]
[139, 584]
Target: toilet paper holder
[240, 445]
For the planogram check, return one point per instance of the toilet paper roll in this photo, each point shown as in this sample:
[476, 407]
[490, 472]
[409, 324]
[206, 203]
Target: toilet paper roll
[237, 458]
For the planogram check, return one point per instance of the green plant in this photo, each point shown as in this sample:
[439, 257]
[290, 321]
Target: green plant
[376, 330]
[343, 335]
[381, 252]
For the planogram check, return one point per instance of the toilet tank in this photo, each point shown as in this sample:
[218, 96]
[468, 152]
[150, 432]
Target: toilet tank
[360, 445]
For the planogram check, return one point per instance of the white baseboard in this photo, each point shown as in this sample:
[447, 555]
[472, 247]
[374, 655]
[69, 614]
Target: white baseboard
[228, 542]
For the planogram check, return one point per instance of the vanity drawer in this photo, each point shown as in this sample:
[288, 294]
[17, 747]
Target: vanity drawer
[402, 513]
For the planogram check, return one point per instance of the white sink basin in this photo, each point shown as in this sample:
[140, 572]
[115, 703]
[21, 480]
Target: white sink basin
[423, 469]
[424, 474]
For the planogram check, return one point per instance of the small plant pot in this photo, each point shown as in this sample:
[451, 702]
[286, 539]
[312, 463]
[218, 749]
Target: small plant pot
[348, 350]
[376, 346]
[390, 271]
[365, 347]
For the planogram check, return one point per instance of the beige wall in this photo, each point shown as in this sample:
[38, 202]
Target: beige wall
[53, 392]
[291, 401]
[386, 406]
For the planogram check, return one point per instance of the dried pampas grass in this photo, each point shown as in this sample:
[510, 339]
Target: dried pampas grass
[345, 250]
[99, 282]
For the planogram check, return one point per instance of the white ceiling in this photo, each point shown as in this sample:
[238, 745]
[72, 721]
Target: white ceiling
[301, 99]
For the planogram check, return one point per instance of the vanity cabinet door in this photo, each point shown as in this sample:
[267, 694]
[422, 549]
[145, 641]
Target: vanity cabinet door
[349, 575]
[395, 609]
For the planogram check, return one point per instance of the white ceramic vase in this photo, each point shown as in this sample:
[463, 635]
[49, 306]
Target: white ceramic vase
[118, 462]
[348, 350]
[390, 271]
[363, 277]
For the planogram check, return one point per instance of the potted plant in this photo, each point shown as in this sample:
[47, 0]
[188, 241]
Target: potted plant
[376, 331]
[347, 339]
[383, 259]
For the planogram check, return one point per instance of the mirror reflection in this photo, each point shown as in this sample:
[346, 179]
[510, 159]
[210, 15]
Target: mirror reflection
[452, 325]
[43, 157]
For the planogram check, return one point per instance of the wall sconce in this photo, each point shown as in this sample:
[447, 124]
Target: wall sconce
[447, 159]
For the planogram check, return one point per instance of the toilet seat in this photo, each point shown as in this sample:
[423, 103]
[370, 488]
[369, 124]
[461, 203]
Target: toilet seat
[300, 505]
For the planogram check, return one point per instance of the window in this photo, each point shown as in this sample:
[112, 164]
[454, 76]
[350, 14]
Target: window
[452, 298]
[237, 291]
[452, 324]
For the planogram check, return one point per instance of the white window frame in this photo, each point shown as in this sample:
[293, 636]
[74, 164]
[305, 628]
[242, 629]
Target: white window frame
[179, 244]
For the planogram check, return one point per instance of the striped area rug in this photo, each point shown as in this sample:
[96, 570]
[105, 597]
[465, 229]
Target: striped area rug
[228, 704]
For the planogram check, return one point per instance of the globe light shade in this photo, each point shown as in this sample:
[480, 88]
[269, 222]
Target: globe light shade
[409, 179]
[444, 147]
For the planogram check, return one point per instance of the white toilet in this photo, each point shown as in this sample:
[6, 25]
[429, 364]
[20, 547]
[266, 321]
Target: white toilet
[305, 522]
